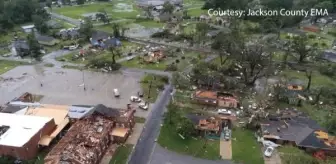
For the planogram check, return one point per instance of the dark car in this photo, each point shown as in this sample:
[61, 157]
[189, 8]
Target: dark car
[140, 93]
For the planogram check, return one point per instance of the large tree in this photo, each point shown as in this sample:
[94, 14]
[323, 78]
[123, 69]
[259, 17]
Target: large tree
[223, 45]
[168, 7]
[200, 32]
[86, 28]
[40, 24]
[102, 15]
[34, 46]
[301, 48]
[253, 61]
[114, 51]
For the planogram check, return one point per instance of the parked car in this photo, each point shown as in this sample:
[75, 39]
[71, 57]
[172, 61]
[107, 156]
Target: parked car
[268, 152]
[224, 111]
[135, 99]
[143, 105]
[227, 135]
[116, 92]
[140, 93]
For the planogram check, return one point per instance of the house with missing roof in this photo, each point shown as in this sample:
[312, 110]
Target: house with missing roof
[295, 128]
[88, 138]
[214, 98]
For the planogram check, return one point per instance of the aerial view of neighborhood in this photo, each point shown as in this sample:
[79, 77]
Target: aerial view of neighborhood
[167, 81]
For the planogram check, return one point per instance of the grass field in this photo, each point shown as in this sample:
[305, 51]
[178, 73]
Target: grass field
[113, 9]
[153, 91]
[6, 65]
[245, 148]
[121, 154]
[193, 146]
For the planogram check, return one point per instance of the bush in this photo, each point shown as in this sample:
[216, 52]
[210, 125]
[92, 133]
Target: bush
[332, 32]
[328, 69]
[315, 44]
[165, 79]
[160, 86]
[183, 57]
[178, 50]
[98, 63]
[323, 44]
[177, 61]
[311, 36]
[171, 67]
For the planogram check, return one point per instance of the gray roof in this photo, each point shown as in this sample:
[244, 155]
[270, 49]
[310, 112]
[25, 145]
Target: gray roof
[78, 112]
[12, 108]
[329, 55]
[44, 38]
[21, 44]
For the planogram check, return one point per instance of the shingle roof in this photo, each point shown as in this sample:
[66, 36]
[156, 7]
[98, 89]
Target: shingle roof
[44, 38]
[329, 55]
[103, 110]
[113, 42]
[195, 118]
[97, 35]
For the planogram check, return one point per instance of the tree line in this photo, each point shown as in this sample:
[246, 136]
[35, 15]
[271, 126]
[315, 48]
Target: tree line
[16, 12]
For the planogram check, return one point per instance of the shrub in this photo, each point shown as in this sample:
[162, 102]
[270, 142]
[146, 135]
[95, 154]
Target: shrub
[160, 86]
[178, 50]
[328, 69]
[311, 36]
[183, 57]
[177, 61]
[323, 44]
[165, 79]
[171, 67]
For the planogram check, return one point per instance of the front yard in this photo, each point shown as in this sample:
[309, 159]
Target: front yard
[245, 148]
[152, 85]
[6, 65]
[197, 147]
[121, 154]
[116, 10]
[180, 60]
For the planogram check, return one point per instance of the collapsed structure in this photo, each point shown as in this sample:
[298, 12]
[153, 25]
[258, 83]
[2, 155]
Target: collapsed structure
[87, 140]
[220, 99]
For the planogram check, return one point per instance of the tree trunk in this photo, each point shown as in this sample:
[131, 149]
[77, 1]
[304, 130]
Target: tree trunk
[113, 59]
[301, 58]
[309, 75]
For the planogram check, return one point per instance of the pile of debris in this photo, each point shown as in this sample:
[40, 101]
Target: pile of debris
[85, 142]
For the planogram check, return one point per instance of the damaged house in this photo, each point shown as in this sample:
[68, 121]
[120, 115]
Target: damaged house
[209, 127]
[296, 128]
[85, 142]
[213, 98]
[89, 137]
[154, 56]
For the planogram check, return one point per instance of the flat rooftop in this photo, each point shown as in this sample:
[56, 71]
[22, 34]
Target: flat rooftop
[21, 128]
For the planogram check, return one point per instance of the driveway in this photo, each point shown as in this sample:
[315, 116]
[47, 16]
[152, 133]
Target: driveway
[137, 129]
[225, 149]
[164, 156]
[274, 159]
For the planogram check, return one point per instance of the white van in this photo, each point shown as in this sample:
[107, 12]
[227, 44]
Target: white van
[116, 92]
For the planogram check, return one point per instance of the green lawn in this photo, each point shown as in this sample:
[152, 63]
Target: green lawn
[121, 154]
[293, 155]
[6, 65]
[135, 63]
[110, 7]
[139, 119]
[194, 147]
[153, 91]
[317, 78]
[245, 147]
[6, 38]
[71, 67]
[131, 24]
[162, 65]
[49, 65]
[197, 12]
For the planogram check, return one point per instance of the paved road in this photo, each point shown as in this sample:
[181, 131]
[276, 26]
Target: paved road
[164, 156]
[142, 152]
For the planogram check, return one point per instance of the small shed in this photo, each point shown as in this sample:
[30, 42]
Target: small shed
[28, 28]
